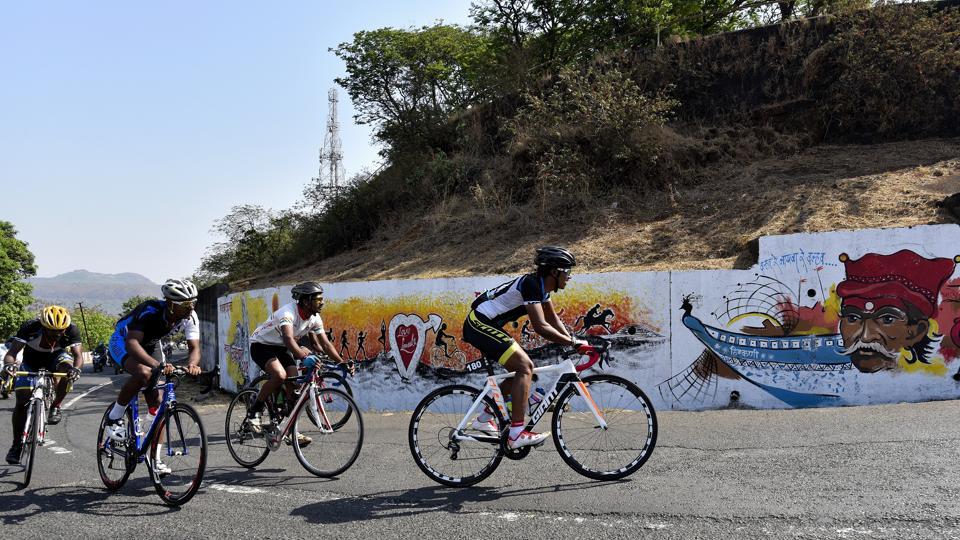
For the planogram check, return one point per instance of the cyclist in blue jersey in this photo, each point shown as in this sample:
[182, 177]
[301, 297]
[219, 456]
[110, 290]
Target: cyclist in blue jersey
[135, 340]
[44, 342]
[527, 295]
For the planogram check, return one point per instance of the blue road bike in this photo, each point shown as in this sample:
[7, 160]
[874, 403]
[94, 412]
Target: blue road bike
[174, 446]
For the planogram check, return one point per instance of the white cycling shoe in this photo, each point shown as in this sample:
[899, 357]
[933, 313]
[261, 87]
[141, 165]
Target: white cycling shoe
[490, 426]
[527, 438]
[116, 429]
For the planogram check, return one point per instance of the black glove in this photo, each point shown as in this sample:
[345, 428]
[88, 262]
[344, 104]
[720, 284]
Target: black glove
[73, 374]
[9, 370]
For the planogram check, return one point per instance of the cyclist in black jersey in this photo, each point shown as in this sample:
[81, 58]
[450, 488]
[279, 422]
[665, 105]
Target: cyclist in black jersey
[135, 340]
[483, 328]
[44, 342]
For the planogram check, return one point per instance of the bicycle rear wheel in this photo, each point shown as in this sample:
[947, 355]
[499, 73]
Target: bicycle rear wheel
[330, 450]
[116, 459]
[440, 451]
[611, 453]
[247, 444]
[33, 434]
[184, 451]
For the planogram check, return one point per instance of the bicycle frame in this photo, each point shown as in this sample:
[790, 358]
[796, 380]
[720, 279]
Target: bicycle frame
[568, 375]
[38, 390]
[144, 442]
[308, 395]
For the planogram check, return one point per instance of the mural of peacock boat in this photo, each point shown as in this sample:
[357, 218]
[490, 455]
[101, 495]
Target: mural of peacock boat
[792, 353]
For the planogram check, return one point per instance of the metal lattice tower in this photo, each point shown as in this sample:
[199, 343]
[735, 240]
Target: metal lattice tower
[331, 153]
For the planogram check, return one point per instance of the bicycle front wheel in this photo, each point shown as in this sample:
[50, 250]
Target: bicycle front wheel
[183, 451]
[321, 447]
[605, 453]
[247, 443]
[116, 459]
[448, 456]
[30, 446]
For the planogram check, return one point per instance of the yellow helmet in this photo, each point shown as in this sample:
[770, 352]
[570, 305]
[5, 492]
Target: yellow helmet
[55, 318]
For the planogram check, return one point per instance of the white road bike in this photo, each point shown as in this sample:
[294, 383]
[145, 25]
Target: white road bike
[604, 426]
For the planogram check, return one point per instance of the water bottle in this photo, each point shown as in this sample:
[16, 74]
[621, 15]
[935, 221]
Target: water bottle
[535, 398]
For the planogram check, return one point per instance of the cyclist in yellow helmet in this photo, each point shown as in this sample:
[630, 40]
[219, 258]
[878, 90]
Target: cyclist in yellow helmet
[44, 342]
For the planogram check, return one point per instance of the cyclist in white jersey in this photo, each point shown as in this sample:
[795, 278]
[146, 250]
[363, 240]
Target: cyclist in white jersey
[483, 328]
[273, 345]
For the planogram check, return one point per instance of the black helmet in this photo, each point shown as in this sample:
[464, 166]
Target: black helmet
[554, 257]
[307, 288]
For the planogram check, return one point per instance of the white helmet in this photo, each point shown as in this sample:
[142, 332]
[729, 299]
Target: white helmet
[179, 290]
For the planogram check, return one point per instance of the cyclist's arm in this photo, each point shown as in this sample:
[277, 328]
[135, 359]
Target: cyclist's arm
[193, 356]
[551, 316]
[298, 352]
[77, 352]
[542, 327]
[12, 352]
[135, 349]
[325, 345]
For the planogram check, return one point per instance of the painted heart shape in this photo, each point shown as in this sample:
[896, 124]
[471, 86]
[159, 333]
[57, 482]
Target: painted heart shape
[407, 337]
[407, 334]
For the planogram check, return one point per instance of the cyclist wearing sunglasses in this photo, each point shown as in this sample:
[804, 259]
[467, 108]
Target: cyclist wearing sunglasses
[274, 347]
[527, 295]
[44, 342]
[135, 340]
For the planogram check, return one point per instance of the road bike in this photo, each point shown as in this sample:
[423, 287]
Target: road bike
[333, 375]
[35, 428]
[604, 426]
[322, 417]
[178, 475]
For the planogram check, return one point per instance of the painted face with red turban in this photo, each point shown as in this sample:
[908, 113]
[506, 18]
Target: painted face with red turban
[887, 302]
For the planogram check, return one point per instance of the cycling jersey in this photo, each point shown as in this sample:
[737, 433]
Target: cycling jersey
[35, 356]
[150, 318]
[506, 303]
[268, 333]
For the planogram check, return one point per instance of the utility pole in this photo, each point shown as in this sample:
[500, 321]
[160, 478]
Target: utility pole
[85, 330]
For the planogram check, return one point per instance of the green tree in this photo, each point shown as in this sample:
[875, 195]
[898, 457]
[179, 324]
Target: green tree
[95, 325]
[16, 264]
[258, 240]
[133, 302]
[406, 83]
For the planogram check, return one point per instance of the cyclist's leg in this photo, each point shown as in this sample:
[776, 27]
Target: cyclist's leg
[518, 387]
[22, 390]
[274, 361]
[139, 375]
[64, 363]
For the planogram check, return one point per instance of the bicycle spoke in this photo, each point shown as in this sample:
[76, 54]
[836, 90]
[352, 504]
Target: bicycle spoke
[180, 460]
[434, 441]
[328, 432]
[611, 452]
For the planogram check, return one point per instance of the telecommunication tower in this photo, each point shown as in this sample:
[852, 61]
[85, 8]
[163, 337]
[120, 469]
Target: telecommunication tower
[331, 153]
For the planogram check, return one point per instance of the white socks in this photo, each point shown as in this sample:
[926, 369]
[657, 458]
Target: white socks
[117, 411]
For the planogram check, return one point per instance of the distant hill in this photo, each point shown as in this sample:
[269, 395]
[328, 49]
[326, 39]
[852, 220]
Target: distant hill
[108, 291]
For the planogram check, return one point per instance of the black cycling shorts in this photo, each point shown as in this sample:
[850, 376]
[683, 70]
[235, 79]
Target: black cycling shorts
[262, 354]
[493, 342]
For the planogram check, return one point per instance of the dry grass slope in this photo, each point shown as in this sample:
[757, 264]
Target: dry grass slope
[708, 226]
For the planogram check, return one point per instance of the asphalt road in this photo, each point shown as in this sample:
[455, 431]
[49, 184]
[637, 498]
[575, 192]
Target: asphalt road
[863, 472]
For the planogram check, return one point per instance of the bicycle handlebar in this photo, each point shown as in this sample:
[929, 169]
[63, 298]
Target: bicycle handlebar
[39, 374]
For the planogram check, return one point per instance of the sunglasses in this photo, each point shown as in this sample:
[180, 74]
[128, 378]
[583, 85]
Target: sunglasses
[183, 303]
[565, 271]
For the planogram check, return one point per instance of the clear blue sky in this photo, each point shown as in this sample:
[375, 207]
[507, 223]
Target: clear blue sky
[127, 128]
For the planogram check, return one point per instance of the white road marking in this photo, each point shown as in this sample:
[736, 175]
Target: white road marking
[240, 490]
[85, 394]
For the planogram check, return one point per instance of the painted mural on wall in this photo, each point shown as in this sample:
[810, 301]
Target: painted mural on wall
[406, 336]
[827, 319]
[868, 317]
